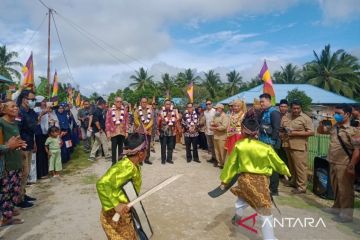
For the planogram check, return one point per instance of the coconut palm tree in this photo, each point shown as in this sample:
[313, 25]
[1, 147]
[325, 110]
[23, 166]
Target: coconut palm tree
[212, 82]
[234, 82]
[337, 72]
[142, 80]
[8, 65]
[288, 74]
[185, 78]
[167, 84]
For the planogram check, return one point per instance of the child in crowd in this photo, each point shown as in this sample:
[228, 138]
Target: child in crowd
[53, 149]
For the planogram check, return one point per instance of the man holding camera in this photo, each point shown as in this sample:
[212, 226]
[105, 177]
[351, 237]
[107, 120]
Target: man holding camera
[297, 128]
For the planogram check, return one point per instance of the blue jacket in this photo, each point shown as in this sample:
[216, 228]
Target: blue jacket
[269, 127]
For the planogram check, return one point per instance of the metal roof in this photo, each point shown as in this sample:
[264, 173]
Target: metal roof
[4, 79]
[318, 95]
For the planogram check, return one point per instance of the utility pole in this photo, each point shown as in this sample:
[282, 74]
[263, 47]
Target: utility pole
[48, 64]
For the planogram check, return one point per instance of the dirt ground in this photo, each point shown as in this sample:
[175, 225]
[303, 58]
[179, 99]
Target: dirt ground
[68, 208]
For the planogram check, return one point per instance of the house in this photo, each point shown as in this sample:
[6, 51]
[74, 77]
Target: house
[318, 95]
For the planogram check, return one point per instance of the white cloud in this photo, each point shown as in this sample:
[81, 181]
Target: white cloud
[139, 29]
[339, 10]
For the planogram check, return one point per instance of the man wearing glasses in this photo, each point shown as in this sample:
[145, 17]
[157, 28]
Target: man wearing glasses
[209, 117]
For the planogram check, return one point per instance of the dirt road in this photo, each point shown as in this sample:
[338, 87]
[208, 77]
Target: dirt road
[68, 208]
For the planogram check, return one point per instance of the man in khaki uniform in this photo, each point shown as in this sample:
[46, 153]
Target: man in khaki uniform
[298, 127]
[342, 161]
[219, 127]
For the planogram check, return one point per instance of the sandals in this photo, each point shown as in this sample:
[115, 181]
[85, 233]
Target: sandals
[14, 221]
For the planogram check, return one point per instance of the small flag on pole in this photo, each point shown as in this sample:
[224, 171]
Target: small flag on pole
[28, 72]
[190, 92]
[268, 84]
[78, 100]
[54, 96]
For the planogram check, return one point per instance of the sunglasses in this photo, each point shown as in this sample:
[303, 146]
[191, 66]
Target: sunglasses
[208, 103]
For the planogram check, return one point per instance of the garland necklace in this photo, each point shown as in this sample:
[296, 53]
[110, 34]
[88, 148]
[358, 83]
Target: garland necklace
[148, 117]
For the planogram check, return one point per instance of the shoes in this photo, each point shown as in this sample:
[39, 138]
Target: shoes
[170, 161]
[92, 159]
[29, 199]
[216, 164]
[297, 191]
[148, 162]
[25, 205]
[188, 160]
[332, 211]
[274, 193]
[342, 219]
[289, 184]
[221, 167]
[235, 219]
[162, 162]
[211, 160]
[197, 160]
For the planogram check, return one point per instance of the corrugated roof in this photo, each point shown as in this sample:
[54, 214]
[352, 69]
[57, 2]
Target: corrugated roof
[318, 95]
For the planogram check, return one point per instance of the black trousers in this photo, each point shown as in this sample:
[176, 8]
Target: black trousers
[117, 143]
[202, 141]
[191, 142]
[148, 147]
[167, 147]
[275, 178]
[42, 163]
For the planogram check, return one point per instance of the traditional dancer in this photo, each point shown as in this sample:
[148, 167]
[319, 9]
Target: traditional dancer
[234, 126]
[254, 161]
[166, 125]
[112, 196]
[144, 120]
[190, 125]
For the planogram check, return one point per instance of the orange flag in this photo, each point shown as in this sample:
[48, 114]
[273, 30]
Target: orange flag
[28, 72]
[190, 92]
[78, 100]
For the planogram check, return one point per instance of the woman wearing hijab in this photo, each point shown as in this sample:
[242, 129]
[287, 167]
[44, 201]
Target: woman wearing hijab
[65, 135]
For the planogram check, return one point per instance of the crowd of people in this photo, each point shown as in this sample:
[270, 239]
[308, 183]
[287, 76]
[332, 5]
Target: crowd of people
[31, 126]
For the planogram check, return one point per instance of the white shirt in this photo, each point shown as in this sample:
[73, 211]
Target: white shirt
[209, 116]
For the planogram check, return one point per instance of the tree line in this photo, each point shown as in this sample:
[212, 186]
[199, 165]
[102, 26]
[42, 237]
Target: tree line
[338, 72]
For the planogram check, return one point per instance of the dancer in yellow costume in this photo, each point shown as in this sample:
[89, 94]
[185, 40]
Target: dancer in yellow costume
[254, 161]
[112, 197]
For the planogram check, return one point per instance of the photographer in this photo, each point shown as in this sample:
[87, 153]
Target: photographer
[342, 156]
[297, 128]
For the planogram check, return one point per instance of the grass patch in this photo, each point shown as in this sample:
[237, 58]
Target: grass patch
[79, 160]
[90, 179]
[292, 202]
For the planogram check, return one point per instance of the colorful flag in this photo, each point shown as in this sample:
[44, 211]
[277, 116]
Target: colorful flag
[268, 84]
[70, 94]
[78, 100]
[190, 92]
[54, 96]
[28, 72]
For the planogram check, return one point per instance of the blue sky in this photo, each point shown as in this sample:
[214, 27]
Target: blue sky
[169, 36]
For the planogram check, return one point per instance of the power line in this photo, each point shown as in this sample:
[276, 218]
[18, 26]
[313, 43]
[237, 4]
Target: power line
[104, 42]
[91, 39]
[35, 32]
[62, 49]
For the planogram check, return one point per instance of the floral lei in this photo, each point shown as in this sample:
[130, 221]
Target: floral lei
[191, 118]
[148, 110]
[113, 115]
[172, 120]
